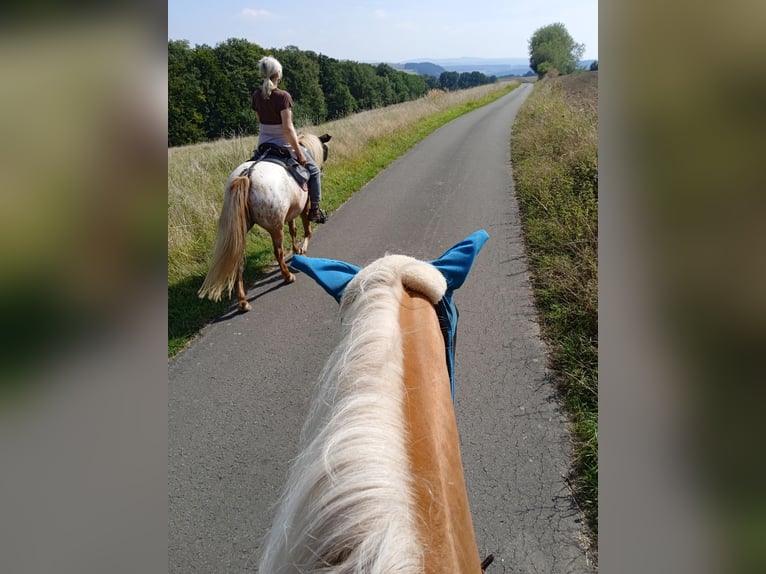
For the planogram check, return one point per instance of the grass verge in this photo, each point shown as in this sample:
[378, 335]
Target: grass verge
[362, 146]
[555, 164]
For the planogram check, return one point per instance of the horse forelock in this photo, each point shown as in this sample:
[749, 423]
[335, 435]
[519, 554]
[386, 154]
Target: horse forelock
[412, 273]
[349, 504]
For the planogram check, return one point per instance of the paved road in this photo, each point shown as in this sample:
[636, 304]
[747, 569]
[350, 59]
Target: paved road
[239, 394]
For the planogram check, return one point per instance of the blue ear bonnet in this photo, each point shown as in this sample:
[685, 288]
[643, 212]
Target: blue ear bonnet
[454, 265]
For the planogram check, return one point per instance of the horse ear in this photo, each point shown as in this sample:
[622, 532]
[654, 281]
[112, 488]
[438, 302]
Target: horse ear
[458, 259]
[332, 276]
[324, 138]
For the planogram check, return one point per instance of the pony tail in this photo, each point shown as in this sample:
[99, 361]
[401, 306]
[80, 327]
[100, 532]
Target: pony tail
[267, 87]
[268, 67]
[230, 241]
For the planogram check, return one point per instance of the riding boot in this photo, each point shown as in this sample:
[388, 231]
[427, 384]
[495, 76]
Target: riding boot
[316, 214]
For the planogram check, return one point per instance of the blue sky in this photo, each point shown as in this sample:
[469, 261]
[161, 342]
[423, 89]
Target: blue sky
[387, 31]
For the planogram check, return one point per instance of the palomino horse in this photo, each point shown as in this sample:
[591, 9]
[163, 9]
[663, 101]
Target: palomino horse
[378, 484]
[269, 196]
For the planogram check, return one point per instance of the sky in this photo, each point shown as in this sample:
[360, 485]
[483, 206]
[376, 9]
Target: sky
[385, 30]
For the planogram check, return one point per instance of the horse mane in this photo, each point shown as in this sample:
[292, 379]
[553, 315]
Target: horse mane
[348, 505]
[312, 143]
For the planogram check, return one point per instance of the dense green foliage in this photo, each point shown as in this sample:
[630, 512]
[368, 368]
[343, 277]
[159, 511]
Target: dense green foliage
[209, 89]
[552, 48]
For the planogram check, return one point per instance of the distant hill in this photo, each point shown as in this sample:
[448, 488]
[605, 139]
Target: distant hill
[488, 66]
[424, 68]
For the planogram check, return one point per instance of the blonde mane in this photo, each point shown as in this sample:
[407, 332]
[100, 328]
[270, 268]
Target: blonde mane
[348, 505]
[312, 143]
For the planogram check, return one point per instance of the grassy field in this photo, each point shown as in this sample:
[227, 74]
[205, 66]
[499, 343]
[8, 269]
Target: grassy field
[555, 164]
[362, 145]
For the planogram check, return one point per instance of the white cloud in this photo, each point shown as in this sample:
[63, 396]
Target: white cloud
[380, 14]
[256, 13]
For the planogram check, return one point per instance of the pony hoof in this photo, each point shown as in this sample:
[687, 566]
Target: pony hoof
[290, 279]
[244, 306]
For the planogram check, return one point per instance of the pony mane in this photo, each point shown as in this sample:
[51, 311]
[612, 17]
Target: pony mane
[348, 505]
[312, 143]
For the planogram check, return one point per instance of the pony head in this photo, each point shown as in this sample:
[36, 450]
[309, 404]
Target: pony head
[437, 280]
[317, 146]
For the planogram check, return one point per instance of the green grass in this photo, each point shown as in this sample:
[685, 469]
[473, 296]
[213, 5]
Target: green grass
[555, 163]
[196, 175]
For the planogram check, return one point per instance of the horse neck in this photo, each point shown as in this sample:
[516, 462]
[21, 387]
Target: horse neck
[441, 500]
[312, 143]
[378, 485]
[347, 505]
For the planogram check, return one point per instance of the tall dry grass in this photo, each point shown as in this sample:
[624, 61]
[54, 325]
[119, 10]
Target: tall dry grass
[196, 178]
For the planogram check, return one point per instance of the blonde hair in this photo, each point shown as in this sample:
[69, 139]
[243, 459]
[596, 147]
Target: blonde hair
[269, 66]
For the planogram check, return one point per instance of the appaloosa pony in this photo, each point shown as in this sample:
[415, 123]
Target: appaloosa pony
[377, 486]
[262, 193]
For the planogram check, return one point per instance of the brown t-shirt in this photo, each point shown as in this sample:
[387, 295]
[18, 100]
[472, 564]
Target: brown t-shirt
[269, 111]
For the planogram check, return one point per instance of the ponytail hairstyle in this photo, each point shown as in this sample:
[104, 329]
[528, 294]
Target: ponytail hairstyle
[269, 67]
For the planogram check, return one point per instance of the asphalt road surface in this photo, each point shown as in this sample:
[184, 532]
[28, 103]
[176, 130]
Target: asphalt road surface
[239, 394]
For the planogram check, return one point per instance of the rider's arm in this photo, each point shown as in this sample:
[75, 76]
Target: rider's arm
[288, 129]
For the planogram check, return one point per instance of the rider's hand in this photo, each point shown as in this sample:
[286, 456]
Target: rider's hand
[301, 159]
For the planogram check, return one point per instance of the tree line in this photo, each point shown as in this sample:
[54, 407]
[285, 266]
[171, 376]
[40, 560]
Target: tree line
[210, 88]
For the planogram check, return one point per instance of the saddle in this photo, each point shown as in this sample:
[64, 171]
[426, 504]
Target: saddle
[282, 156]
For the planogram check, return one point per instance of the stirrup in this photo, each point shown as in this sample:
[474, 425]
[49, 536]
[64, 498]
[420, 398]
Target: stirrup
[317, 215]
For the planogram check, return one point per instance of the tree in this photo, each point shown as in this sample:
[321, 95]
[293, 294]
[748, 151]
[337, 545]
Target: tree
[301, 79]
[471, 80]
[220, 99]
[237, 59]
[449, 80]
[186, 97]
[551, 47]
[594, 66]
[416, 85]
[431, 82]
[394, 85]
[338, 97]
[363, 85]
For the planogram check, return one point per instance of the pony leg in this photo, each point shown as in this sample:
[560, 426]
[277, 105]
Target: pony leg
[241, 294]
[306, 230]
[277, 238]
[293, 236]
